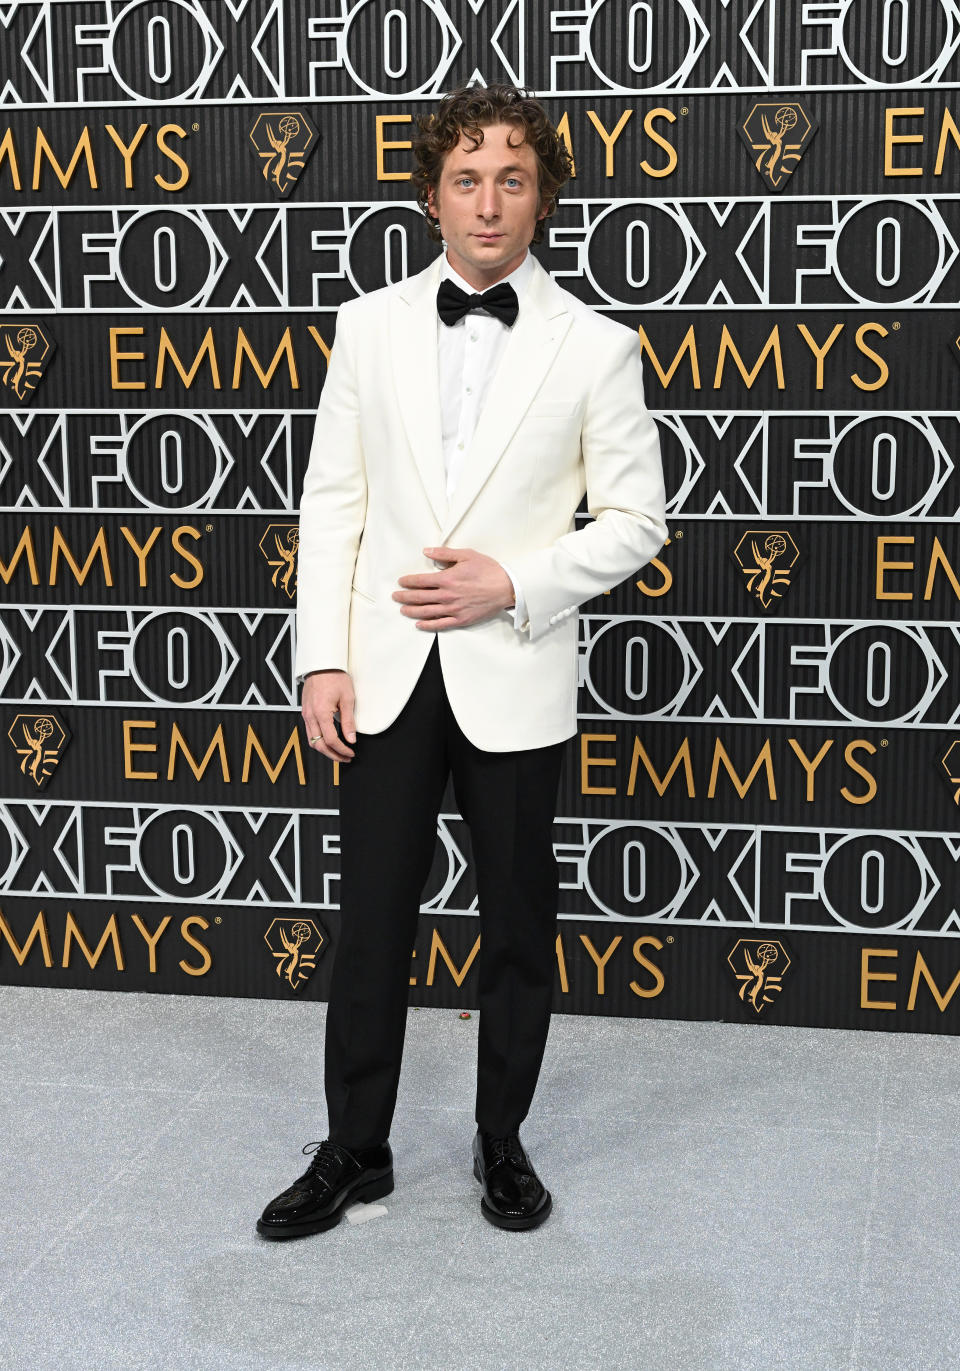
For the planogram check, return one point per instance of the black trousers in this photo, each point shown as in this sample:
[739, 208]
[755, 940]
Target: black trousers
[390, 795]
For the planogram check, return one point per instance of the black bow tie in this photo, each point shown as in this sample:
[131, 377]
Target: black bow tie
[500, 301]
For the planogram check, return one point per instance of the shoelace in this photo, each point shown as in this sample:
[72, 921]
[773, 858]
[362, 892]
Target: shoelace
[326, 1153]
[508, 1147]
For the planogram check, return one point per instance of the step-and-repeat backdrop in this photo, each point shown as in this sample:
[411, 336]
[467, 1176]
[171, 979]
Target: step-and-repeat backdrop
[758, 817]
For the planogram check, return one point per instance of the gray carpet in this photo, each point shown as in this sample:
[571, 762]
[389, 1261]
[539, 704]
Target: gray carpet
[724, 1197]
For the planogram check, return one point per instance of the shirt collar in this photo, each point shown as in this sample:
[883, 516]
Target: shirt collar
[519, 278]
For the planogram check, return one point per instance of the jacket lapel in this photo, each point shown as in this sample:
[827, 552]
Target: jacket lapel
[413, 346]
[533, 343]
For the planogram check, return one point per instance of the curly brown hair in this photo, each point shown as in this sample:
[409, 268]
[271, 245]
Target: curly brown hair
[468, 111]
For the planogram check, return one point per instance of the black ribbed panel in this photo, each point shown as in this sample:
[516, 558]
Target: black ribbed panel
[758, 816]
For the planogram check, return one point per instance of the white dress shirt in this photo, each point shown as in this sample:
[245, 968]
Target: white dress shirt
[468, 354]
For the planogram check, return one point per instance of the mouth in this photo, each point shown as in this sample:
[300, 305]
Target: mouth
[488, 237]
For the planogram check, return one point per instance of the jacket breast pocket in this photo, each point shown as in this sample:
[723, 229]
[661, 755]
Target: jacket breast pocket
[556, 411]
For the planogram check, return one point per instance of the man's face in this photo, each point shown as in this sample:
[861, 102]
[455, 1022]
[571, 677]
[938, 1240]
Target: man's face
[488, 204]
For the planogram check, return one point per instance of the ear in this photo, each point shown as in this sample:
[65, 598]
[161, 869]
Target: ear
[432, 203]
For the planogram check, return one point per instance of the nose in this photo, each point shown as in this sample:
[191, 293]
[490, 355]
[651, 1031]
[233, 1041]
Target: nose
[489, 205]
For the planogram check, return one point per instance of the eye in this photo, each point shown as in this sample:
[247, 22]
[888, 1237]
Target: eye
[464, 180]
[513, 180]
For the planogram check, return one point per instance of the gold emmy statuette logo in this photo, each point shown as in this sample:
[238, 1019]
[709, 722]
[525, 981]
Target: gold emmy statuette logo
[39, 741]
[282, 141]
[295, 943]
[279, 545]
[753, 963]
[766, 557]
[777, 134]
[950, 761]
[25, 351]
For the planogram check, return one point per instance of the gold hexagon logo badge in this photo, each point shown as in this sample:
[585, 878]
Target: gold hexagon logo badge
[759, 966]
[950, 762]
[767, 558]
[25, 350]
[777, 133]
[282, 141]
[296, 943]
[280, 544]
[39, 739]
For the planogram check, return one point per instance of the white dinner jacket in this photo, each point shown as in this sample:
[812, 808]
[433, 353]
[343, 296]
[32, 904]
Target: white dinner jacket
[564, 415]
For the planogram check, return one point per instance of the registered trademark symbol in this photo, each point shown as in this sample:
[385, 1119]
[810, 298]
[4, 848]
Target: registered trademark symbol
[209, 528]
[884, 742]
[679, 533]
[684, 110]
[670, 938]
[195, 127]
[895, 325]
[217, 919]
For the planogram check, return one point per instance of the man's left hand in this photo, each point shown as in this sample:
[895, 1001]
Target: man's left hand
[470, 588]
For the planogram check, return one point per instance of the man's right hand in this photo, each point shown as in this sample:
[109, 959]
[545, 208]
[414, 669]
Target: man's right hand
[324, 694]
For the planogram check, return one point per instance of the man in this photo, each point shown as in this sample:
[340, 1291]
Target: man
[464, 414]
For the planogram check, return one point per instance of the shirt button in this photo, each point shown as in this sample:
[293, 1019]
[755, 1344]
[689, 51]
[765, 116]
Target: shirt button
[469, 390]
[473, 337]
[460, 446]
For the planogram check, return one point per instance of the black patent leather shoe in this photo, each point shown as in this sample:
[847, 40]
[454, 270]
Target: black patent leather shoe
[336, 1177]
[513, 1195]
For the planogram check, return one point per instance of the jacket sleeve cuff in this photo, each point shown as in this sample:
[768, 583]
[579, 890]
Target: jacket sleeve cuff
[518, 612]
